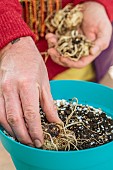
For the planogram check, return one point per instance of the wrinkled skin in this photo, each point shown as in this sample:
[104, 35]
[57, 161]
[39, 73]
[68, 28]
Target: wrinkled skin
[23, 82]
[96, 26]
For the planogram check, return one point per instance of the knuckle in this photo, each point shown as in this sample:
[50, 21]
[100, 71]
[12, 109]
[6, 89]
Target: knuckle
[30, 114]
[24, 83]
[6, 86]
[12, 119]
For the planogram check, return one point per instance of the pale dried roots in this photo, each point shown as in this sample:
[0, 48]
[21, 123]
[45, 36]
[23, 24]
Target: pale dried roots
[57, 136]
[61, 140]
[65, 23]
[74, 45]
[65, 19]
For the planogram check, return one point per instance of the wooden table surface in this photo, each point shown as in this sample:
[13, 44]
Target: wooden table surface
[5, 160]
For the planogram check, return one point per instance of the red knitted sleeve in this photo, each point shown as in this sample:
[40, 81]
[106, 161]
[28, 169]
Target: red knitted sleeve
[108, 4]
[12, 25]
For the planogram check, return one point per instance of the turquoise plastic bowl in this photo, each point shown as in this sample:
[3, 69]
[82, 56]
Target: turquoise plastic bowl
[99, 158]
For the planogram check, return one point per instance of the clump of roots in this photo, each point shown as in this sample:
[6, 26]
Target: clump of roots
[62, 140]
[66, 23]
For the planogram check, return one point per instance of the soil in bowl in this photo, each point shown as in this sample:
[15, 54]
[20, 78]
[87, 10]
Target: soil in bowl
[84, 127]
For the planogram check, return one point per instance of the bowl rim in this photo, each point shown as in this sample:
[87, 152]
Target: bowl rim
[83, 81]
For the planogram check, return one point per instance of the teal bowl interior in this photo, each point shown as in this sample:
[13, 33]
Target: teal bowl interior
[99, 158]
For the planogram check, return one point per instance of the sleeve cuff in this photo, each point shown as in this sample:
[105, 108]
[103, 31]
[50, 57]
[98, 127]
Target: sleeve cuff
[12, 26]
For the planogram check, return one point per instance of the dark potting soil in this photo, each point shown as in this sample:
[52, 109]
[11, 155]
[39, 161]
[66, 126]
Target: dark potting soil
[91, 127]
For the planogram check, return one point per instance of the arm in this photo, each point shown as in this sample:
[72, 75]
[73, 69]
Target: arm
[108, 4]
[12, 25]
[23, 79]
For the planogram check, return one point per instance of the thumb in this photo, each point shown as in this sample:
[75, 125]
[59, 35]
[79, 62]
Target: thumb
[90, 35]
[102, 41]
[89, 32]
[99, 45]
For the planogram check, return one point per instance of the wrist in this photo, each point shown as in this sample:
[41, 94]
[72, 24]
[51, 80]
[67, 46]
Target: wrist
[14, 44]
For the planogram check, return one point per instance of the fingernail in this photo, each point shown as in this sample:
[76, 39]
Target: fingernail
[38, 144]
[95, 50]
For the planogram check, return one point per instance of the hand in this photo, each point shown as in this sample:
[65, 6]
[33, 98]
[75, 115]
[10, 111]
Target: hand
[23, 82]
[96, 27]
